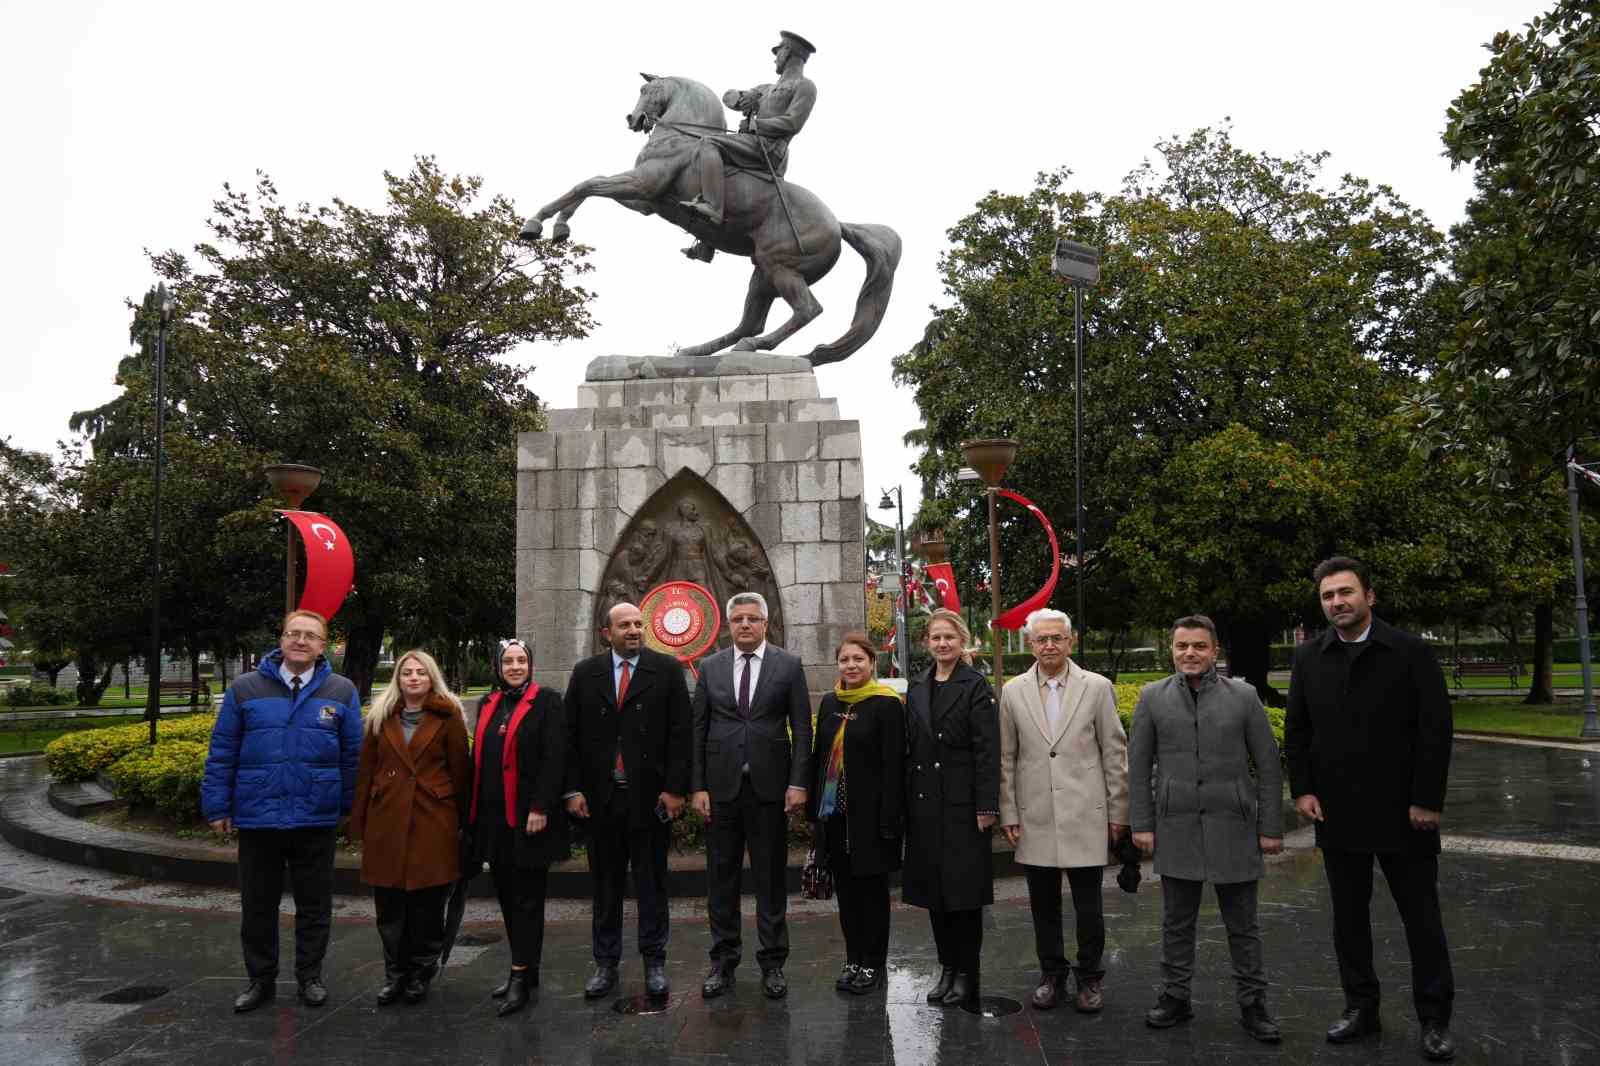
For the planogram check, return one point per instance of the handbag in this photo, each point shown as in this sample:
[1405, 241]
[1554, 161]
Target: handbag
[816, 880]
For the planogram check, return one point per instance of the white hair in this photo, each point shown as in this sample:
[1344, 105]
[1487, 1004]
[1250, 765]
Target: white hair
[745, 597]
[1045, 614]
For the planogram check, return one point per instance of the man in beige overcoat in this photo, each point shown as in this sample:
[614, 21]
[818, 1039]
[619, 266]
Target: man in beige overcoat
[1063, 800]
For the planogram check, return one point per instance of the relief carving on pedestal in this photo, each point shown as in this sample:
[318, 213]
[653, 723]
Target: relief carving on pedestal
[688, 531]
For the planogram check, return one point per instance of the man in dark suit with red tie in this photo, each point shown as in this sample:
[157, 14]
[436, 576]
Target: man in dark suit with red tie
[628, 774]
[752, 750]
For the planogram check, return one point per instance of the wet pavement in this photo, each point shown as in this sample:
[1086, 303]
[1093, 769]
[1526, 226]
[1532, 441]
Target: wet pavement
[75, 960]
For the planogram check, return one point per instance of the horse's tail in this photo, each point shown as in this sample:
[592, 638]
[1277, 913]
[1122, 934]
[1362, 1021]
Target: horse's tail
[880, 247]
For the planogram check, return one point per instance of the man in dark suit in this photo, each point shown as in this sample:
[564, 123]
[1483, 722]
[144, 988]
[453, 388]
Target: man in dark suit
[748, 775]
[1367, 737]
[628, 774]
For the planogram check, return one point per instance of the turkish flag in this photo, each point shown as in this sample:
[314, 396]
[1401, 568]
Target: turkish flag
[330, 564]
[943, 578]
[1013, 618]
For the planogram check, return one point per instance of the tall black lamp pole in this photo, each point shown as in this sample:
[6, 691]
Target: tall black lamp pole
[1080, 265]
[152, 710]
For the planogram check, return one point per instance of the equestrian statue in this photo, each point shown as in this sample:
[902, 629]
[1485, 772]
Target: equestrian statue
[728, 189]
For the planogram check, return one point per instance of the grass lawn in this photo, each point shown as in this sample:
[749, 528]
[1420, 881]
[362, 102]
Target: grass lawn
[1561, 720]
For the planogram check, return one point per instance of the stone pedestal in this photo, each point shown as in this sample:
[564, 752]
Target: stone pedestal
[775, 451]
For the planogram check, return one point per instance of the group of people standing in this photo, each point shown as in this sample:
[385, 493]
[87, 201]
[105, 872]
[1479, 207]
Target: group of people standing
[914, 785]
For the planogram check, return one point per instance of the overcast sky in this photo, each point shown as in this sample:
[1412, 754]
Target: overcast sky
[119, 122]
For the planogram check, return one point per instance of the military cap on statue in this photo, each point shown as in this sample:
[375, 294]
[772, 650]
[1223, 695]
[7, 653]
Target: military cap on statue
[789, 37]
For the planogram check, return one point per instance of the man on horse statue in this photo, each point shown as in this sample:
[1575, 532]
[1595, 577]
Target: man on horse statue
[773, 114]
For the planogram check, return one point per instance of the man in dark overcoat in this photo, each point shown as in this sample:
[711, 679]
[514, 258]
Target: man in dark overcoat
[1367, 738]
[751, 748]
[627, 779]
[1196, 807]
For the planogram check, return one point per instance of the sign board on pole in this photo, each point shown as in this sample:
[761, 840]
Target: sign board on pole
[1078, 263]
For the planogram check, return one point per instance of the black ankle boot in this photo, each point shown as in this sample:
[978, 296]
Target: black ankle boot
[516, 997]
[500, 989]
[963, 991]
[937, 993]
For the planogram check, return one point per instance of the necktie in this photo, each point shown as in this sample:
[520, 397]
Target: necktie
[622, 692]
[744, 686]
[294, 691]
[1052, 704]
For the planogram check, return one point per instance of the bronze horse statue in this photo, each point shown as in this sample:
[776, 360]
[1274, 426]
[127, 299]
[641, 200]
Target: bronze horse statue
[788, 233]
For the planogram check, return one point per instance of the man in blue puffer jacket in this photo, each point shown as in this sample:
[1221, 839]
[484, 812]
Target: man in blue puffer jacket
[282, 771]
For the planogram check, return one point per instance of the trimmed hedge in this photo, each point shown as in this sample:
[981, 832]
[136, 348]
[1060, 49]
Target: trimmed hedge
[166, 777]
[79, 756]
[40, 696]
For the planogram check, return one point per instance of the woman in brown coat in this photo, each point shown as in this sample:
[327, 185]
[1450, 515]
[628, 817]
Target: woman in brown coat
[412, 789]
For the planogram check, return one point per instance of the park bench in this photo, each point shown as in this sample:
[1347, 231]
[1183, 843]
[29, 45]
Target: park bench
[1510, 668]
[203, 689]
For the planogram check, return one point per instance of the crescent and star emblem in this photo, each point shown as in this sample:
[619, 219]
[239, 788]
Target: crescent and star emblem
[331, 539]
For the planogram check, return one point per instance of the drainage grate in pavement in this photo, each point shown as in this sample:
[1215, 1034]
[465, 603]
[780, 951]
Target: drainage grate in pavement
[994, 1007]
[477, 940]
[134, 994]
[644, 1004]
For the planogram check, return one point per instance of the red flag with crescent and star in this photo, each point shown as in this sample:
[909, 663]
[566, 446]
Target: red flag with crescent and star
[1014, 617]
[330, 564]
[942, 580]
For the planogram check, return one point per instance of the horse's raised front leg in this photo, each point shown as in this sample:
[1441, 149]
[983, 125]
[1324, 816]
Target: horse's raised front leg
[629, 185]
[797, 294]
[757, 302]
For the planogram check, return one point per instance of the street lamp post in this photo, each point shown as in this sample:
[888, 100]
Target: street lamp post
[1080, 265]
[990, 459]
[152, 704]
[1591, 723]
[902, 642]
[294, 482]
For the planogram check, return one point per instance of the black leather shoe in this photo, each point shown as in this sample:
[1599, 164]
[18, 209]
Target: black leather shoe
[718, 981]
[500, 989]
[415, 989]
[1168, 1011]
[390, 991]
[773, 983]
[1356, 1023]
[868, 979]
[516, 993]
[259, 992]
[1051, 988]
[937, 993]
[963, 991]
[313, 993]
[655, 979]
[1437, 1046]
[1259, 1024]
[603, 981]
[846, 975]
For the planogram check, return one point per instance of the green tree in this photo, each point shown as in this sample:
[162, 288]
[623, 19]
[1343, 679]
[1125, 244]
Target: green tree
[1251, 329]
[1521, 382]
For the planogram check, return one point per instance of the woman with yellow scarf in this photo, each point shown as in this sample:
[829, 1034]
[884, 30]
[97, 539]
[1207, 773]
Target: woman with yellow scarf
[856, 805]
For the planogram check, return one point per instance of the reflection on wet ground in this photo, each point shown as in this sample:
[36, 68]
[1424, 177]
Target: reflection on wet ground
[79, 978]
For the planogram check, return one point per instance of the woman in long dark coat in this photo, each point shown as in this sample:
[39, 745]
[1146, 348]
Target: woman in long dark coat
[855, 804]
[412, 789]
[952, 804]
[519, 826]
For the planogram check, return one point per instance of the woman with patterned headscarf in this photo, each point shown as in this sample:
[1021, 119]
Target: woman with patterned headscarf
[518, 824]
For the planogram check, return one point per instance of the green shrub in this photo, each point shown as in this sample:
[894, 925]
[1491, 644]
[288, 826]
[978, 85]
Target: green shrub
[166, 777]
[39, 696]
[79, 756]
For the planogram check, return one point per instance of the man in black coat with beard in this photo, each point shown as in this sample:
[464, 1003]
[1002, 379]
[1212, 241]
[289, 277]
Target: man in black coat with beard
[1367, 737]
[627, 776]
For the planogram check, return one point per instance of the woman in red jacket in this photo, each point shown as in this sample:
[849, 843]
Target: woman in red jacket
[519, 826]
[410, 804]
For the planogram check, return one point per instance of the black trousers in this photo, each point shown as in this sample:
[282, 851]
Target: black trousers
[959, 937]
[748, 821]
[264, 854]
[1414, 884]
[1180, 907]
[1089, 920]
[411, 927]
[521, 891]
[863, 903]
[615, 843]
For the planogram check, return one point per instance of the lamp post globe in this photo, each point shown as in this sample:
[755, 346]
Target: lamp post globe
[991, 458]
[294, 482]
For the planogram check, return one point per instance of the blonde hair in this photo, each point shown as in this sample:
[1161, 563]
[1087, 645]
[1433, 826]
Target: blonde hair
[392, 699]
[945, 614]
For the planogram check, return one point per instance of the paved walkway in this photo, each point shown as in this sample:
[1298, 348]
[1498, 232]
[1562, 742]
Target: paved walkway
[1522, 905]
